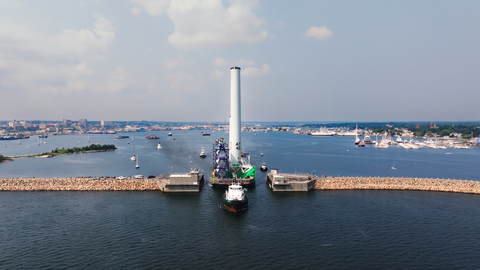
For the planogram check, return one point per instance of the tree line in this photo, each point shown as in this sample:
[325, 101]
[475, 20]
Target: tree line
[92, 147]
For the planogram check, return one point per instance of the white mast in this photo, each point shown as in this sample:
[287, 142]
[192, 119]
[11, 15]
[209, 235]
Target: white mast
[235, 113]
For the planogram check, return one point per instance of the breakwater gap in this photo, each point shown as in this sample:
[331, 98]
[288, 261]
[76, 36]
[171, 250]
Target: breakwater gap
[311, 182]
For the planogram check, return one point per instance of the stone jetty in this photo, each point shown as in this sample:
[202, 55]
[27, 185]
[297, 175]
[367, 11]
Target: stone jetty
[77, 184]
[393, 183]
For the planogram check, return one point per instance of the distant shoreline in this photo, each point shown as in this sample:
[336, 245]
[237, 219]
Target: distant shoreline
[43, 155]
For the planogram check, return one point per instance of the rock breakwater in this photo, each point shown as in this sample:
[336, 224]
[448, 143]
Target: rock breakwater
[77, 184]
[391, 183]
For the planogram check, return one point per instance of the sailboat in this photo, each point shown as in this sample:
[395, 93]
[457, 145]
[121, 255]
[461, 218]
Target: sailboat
[357, 140]
[137, 166]
[88, 138]
[159, 146]
[393, 167]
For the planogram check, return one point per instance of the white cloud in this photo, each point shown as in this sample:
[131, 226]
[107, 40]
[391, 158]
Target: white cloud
[136, 10]
[320, 33]
[180, 81]
[216, 74]
[218, 62]
[179, 61]
[152, 7]
[208, 24]
[255, 72]
[118, 80]
[52, 62]
[244, 62]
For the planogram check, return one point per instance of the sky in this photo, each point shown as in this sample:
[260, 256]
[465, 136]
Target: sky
[308, 60]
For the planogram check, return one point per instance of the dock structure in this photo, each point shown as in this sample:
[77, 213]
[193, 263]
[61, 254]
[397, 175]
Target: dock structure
[285, 182]
[187, 182]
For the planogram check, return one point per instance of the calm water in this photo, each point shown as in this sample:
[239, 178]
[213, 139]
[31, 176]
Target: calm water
[319, 229]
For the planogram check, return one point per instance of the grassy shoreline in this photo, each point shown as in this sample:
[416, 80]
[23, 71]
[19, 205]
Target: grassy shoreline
[67, 151]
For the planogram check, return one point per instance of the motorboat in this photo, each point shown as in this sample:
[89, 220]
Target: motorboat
[133, 158]
[235, 199]
[367, 139]
[159, 146]
[169, 133]
[202, 153]
[263, 168]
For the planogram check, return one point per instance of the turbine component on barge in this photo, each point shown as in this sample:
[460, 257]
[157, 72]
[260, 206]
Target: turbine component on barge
[239, 168]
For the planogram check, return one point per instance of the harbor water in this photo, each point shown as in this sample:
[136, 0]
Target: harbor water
[359, 229]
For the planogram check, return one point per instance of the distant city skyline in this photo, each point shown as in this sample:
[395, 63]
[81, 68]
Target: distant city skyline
[169, 60]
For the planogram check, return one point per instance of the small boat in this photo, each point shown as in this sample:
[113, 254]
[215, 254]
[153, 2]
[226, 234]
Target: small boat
[169, 133]
[393, 167]
[43, 136]
[152, 137]
[263, 167]
[361, 144]
[174, 138]
[159, 146]
[235, 199]
[261, 154]
[204, 134]
[137, 166]
[448, 153]
[357, 140]
[202, 153]
[121, 137]
[133, 158]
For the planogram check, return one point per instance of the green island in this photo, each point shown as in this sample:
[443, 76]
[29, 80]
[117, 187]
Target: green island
[73, 150]
[4, 158]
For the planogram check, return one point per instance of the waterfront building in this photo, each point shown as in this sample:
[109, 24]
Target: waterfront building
[83, 123]
[105, 123]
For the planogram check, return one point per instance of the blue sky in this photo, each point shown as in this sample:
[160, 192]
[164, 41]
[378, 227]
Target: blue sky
[301, 60]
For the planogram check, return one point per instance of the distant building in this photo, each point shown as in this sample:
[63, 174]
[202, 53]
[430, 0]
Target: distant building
[106, 123]
[83, 122]
[418, 125]
[67, 122]
[13, 124]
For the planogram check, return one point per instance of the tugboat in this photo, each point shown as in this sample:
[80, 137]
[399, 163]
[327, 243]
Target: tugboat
[235, 199]
[202, 153]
